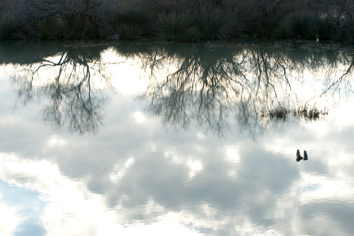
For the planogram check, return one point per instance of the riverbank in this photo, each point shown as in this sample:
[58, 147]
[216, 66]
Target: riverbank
[176, 20]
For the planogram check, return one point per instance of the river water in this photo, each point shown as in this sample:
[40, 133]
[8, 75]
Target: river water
[149, 138]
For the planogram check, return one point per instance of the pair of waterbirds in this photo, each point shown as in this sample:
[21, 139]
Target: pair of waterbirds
[299, 157]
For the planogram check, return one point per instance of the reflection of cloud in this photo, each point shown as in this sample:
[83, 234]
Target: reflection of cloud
[344, 115]
[200, 136]
[162, 192]
[169, 224]
[56, 140]
[71, 208]
[74, 210]
[139, 117]
[195, 166]
[8, 220]
[119, 170]
[138, 180]
[125, 76]
[314, 188]
[232, 155]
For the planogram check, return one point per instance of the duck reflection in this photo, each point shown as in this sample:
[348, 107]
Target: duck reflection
[299, 157]
[305, 156]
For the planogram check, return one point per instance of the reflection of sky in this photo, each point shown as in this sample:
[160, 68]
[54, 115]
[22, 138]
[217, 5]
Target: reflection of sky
[28, 209]
[135, 177]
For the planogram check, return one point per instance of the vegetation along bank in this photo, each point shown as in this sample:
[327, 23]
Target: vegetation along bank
[177, 20]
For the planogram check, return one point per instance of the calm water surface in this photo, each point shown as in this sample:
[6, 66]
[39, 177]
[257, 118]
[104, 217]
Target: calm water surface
[176, 139]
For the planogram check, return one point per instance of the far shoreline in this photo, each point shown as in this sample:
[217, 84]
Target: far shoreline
[176, 20]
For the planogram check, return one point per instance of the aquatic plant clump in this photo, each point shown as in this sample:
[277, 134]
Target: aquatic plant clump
[309, 113]
[312, 113]
[180, 20]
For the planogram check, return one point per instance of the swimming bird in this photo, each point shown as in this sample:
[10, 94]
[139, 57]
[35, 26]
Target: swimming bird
[298, 156]
[305, 155]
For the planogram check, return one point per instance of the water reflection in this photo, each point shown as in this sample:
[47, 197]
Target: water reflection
[133, 178]
[64, 80]
[251, 84]
[216, 86]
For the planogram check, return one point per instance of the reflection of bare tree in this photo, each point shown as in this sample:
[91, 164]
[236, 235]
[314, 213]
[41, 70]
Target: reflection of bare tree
[215, 87]
[341, 83]
[212, 86]
[185, 95]
[72, 101]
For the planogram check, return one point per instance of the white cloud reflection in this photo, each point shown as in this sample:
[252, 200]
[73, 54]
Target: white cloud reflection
[139, 117]
[134, 179]
[119, 170]
[185, 186]
[195, 166]
[9, 219]
[72, 209]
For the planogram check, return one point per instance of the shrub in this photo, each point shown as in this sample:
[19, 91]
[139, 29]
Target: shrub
[283, 30]
[181, 20]
[192, 34]
[349, 31]
[9, 28]
[75, 26]
[173, 26]
[213, 23]
[304, 25]
[137, 17]
[326, 27]
[128, 32]
[269, 26]
[50, 29]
